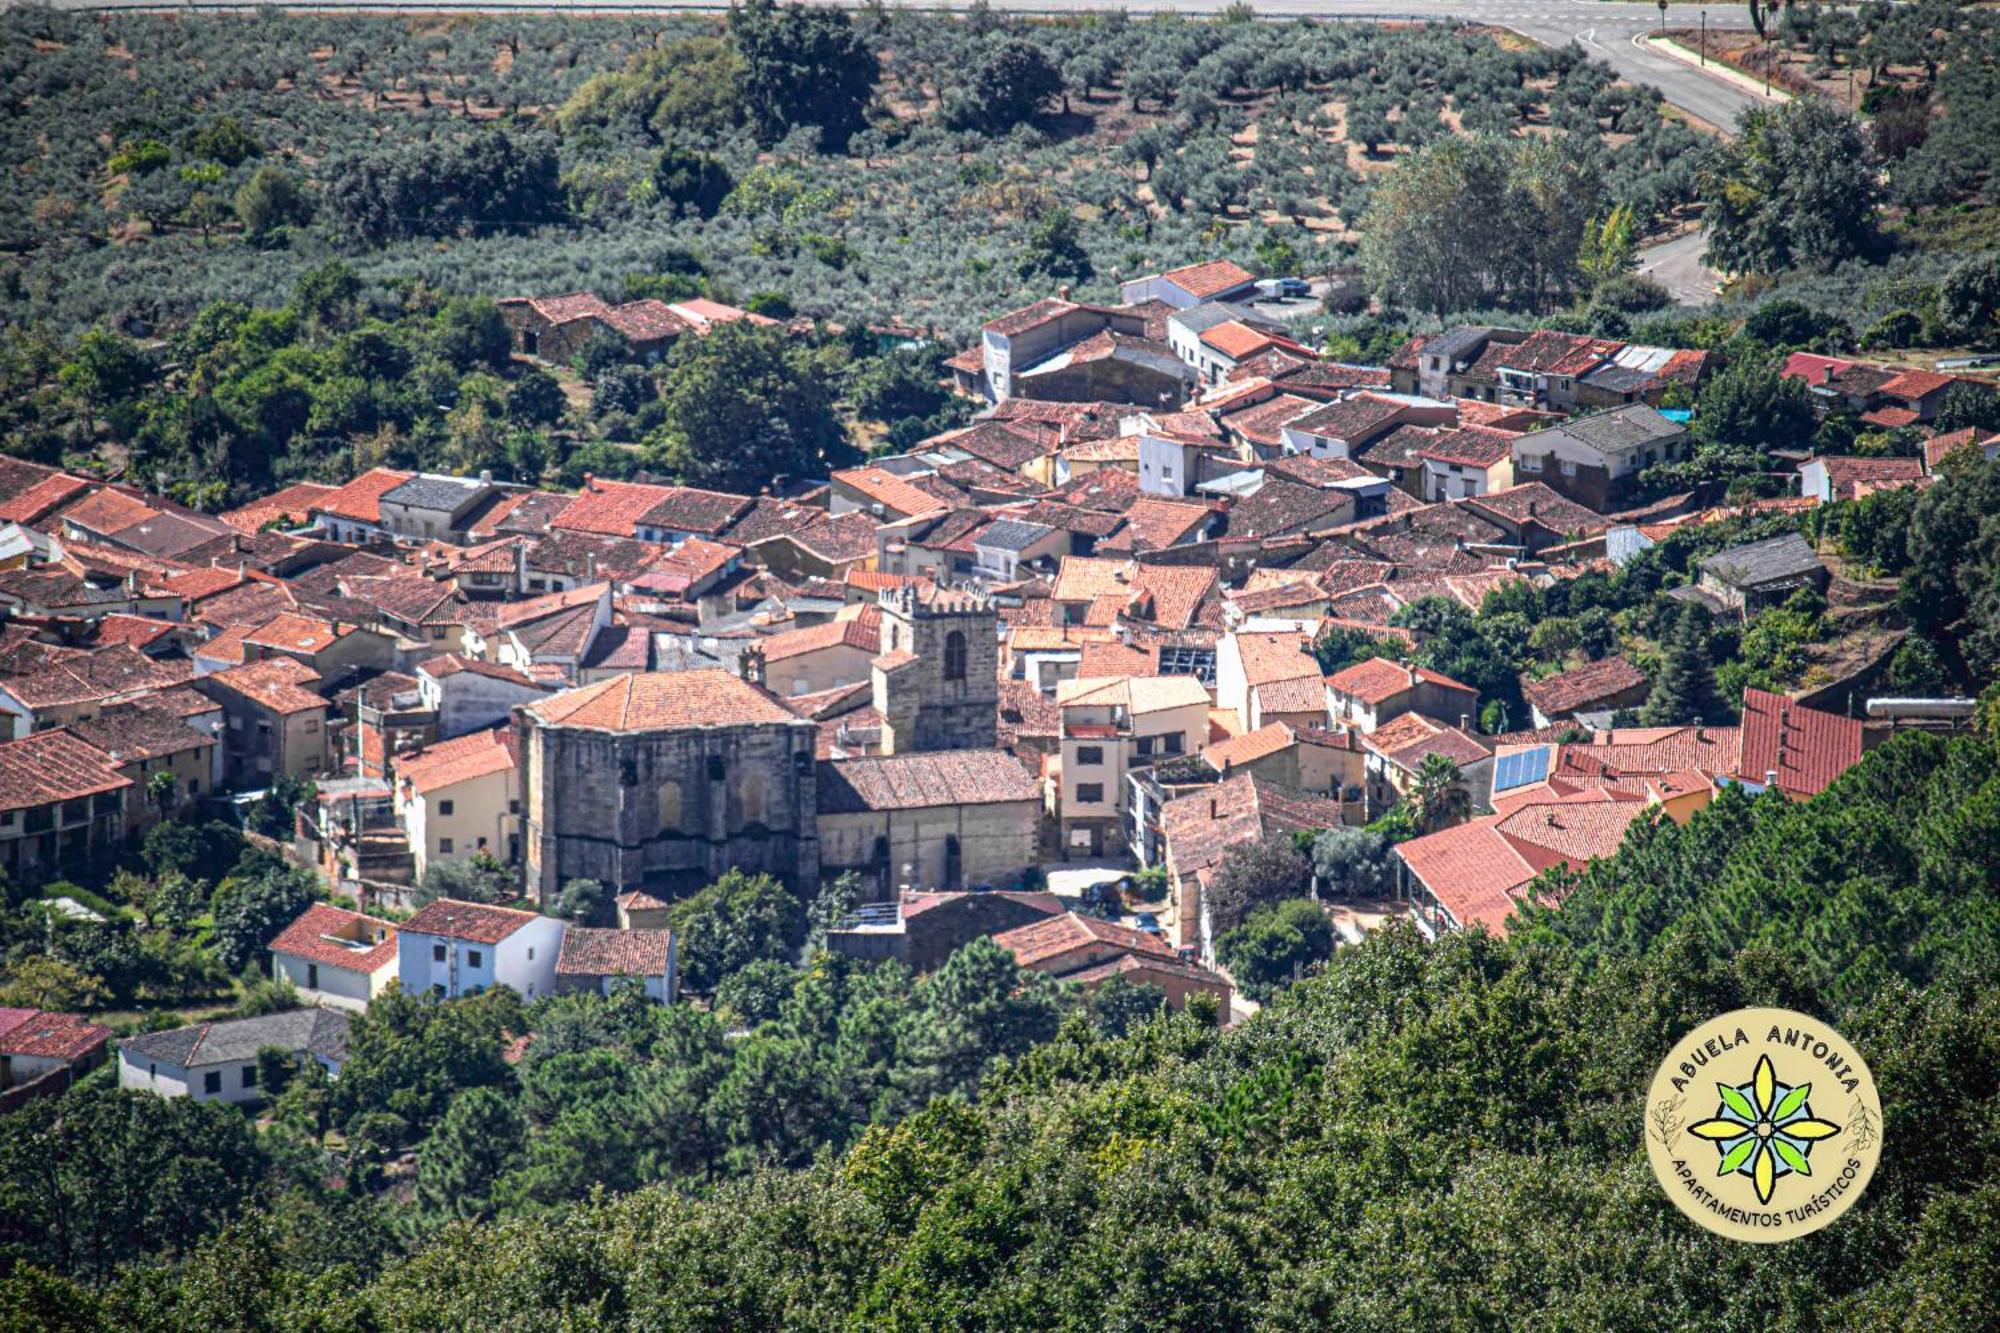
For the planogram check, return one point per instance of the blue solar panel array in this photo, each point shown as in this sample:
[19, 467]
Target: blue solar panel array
[1522, 769]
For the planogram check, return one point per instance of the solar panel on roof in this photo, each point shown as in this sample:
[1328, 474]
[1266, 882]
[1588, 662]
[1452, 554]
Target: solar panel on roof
[1521, 769]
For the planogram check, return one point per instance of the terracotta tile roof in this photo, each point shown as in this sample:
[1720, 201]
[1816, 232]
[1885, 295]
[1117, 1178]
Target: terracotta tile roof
[335, 937]
[1260, 422]
[889, 490]
[1577, 832]
[226, 646]
[1267, 740]
[119, 629]
[1917, 384]
[1550, 352]
[562, 309]
[474, 922]
[863, 632]
[1280, 507]
[686, 509]
[1028, 317]
[1202, 827]
[1812, 368]
[1300, 694]
[645, 321]
[44, 676]
[1941, 447]
[297, 633]
[704, 314]
[275, 683]
[1103, 449]
[1378, 679]
[1844, 474]
[107, 511]
[461, 759]
[1138, 695]
[1209, 279]
[1099, 660]
[1805, 747]
[1153, 524]
[1281, 655]
[641, 901]
[1042, 941]
[451, 664]
[1471, 446]
[1536, 501]
[361, 499]
[36, 1034]
[1474, 872]
[1891, 418]
[999, 443]
[647, 701]
[1408, 740]
[51, 766]
[840, 539]
[291, 507]
[1561, 695]
[35, 500]
[610, 508]
[592, 952]
[937, 780]
[1110, 489]
[129, 733]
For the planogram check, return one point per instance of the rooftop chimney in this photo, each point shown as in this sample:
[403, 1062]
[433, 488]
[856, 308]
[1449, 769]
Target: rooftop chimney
[1770, 777]
[485, 477]
[1826, 375]
[1465, 722]
[1211, 807]
[1063, 292]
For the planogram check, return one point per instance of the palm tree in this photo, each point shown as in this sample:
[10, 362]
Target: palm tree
[1437, 795]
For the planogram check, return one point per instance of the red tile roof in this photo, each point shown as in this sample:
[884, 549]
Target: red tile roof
[107, 511]
[590, 952]
[1213, 278]
[945, 779]
[275, 683]
[39, 497]
[461, 759]
[291, 506]
[1805, 747]
[1379, 679]
[562, 309]
[1917, 384]
[1563, 694]
[475, 922]
[1845, 473]
[651, 700]
[888, 489]
[1251, 746]
[335, 937]
[361, 499]
[39, 1035]
[52, 766]
[1044, 941]
[612, 508]
[689, 509]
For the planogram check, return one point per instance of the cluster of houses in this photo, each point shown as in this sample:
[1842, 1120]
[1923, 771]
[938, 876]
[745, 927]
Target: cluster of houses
[1079, 629]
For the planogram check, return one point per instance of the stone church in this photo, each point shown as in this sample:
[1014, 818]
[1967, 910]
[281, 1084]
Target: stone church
[662, 781]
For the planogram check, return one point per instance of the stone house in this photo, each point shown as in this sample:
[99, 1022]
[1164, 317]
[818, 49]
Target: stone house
[921, 930]
[1746, 579]
[149, 744]
[273, 722]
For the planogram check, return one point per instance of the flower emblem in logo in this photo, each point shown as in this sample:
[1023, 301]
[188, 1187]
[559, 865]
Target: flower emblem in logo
[1764, 1129]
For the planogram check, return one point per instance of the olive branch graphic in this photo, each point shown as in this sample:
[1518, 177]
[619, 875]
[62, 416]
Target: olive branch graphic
[1861, 1129]
[1667, 1119]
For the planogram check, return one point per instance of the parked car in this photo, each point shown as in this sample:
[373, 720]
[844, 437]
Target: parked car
[1147, 922]
[1294, 288]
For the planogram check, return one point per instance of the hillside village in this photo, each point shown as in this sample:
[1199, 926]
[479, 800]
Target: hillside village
[1037, 679]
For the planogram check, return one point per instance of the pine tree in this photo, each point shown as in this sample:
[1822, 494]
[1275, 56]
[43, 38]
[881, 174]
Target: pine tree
[474, 1143]
[1684, 690]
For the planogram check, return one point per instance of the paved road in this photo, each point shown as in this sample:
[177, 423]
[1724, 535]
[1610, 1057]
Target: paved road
[1605, 28]
[1676, 265]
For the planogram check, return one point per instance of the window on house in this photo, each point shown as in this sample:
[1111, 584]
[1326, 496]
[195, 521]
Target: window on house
[1569, 467]
[1090, 793]
[474, 958]
[513, 807]
[437, 953]
[6, 819]
[211, 1082]
[249, 1076]
[954, 656]
[715, 768]
[444, 846]
[531, 953]
[1145, 746]
[194, 786]
[445, 807]
[312, 976]
[1174, 741]
[1090, 754]
[312, 726]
